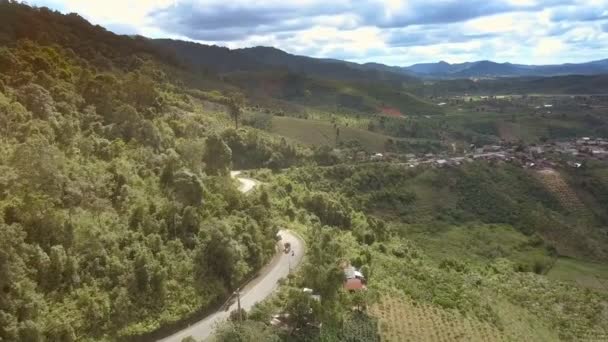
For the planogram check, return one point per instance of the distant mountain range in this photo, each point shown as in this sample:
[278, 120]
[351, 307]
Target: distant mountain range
[224, 60]
[492, 69]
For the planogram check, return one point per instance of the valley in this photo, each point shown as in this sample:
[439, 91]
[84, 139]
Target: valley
[167, 190]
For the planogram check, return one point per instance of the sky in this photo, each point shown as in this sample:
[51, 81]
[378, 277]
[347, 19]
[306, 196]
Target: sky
[392, 32]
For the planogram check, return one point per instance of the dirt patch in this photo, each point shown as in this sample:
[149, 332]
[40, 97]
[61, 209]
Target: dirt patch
[391, 111]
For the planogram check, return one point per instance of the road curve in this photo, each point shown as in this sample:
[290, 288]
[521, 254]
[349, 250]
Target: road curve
[247, 184]
[257, 289]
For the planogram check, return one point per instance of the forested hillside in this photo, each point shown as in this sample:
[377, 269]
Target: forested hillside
[117, 214]
[476, 252]
[119, 220]
[274, 79]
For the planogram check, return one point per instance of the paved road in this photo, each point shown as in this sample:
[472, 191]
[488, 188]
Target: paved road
[257, 289]
[247, 184]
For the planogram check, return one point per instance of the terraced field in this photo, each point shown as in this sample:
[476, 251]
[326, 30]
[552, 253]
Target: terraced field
[402, 320]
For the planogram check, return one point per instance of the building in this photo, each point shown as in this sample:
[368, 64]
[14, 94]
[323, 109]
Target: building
[354, 284]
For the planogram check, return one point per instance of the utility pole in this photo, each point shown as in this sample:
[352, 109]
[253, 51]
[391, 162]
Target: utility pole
[238, 304]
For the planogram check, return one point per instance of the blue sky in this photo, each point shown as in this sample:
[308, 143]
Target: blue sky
[392, 32]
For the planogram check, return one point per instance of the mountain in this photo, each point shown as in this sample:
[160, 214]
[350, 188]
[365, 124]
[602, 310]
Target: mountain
[492, 69]
[224, 60]
[274, 78]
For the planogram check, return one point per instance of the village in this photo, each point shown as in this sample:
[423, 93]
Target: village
[572, 153]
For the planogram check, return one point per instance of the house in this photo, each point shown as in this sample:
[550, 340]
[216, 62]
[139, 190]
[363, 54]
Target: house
[536, 149]
[354, 284]
[599, 153]
[310, 293]
[350, 272]
[377, 156]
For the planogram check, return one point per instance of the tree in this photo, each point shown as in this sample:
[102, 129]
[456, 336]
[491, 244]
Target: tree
[188, 188]
[234, 108]
[57, 266]
[217, 157]
[245, 332]
[139, 90]
[321, 269]
[219, 258]
[141, 270]
[37, 100]
[301, 308]
[325, 156]
[29, 331]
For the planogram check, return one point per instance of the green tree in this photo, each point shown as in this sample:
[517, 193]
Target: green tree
[245, 332]
[29, 331]
[217, 157]
[234, 108]
[37, 100]
[57, 268]
[321, 268]
[219, 258]
[188, 188]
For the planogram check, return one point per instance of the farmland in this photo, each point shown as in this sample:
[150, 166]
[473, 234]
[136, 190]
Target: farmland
[586, 274]
[319, 133]
[402, 319]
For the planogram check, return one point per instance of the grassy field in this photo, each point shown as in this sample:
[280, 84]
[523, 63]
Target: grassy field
[318, 132]
[585, 274]
[480, 244]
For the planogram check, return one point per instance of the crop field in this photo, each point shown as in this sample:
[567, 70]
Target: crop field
[556, 184]
[402, 320]
[316, 133]
[585, 274]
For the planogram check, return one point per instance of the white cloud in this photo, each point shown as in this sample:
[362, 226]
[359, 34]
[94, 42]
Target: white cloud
[395, 32]
[548, 48]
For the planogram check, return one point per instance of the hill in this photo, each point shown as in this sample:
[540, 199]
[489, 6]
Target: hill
[443, 254]
[274, 79]
[264, 58]
[115, 198]
[492, 69]
[557, 85]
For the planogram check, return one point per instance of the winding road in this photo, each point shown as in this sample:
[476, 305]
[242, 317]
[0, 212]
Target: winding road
[257, 289]
[247, 184]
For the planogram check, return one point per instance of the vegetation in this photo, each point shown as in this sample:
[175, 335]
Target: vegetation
[115, 199]
[479, 281]
[119, 221]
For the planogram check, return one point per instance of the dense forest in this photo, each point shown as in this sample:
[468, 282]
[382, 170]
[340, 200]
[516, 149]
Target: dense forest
[117, 212]
[119, 220]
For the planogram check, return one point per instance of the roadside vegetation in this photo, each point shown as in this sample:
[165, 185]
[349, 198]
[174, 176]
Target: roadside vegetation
[119, 220]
